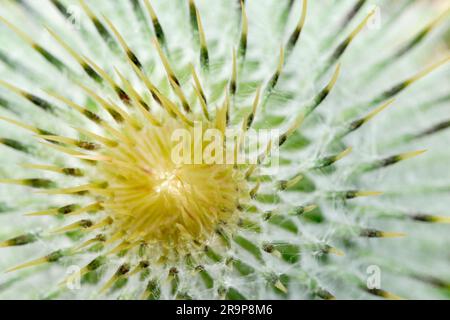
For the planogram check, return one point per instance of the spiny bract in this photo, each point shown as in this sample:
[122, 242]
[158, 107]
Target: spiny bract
[91, 93]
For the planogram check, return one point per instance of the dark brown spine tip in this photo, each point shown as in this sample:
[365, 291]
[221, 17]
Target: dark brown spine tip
[104, 33]
[3, 102]
[144, 105]
[354, 125]
[39, 102]
[92, 116]
[103, 185]
[96, 263]
[436, 282]
[193, 17]
[156, 98]
[116, 116]
[434, 129]
[352, 13]
[61, 8]
[123, 269]
[173, 271]
[299, 210]
[68, 209]
[233, 87]
[413, 43]
[282, 140]
[376, 292]
[21, 240]
[267, 215]
[186, 107]
[86, 223]
[159, 32]
[250, 119]
[370, 233]
[423, 217]
[390, 93]
[200, 268]
[282, 185]
[81, 193]
[243, 47]
[324, 294]
[204, 58]
[55, 256]
[294, 38]
[92, 73]
[40, 183]
[321, 96]
[75, 172]
[46, 133]
[100, 237]
[134, 59]
[325, 162]
[14, 144]
[88, 145]
[50, 57]
[340, 50]
[350, 194]
[273, 82]
[388, 161]
[122, 95]
[269, 248]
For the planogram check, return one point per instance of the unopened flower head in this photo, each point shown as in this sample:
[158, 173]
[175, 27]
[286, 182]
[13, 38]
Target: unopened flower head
[223, 149]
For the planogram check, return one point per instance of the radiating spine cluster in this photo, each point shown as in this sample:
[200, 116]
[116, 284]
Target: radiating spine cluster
[218, 225]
